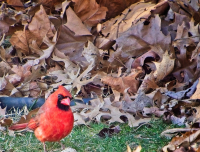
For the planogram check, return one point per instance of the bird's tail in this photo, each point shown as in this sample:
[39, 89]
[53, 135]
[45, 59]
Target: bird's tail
[18, 126]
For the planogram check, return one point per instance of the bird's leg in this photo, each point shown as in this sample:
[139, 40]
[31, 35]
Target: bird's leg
[44, 147]
[63, 147]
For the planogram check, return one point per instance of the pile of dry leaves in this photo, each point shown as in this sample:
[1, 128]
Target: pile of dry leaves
[134, 58]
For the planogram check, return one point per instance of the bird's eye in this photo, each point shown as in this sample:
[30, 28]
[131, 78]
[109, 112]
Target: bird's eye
[60, 97]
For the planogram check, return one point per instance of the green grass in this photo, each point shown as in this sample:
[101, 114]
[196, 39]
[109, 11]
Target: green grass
[85, 139]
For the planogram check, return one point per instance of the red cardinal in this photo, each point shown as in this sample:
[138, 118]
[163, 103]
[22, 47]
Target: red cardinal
[54, 120]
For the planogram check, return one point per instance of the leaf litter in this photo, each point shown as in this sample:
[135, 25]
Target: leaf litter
[134, 59]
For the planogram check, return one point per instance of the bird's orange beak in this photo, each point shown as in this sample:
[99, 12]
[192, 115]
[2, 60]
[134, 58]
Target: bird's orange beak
[65, 101]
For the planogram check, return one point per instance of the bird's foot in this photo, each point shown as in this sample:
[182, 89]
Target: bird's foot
[44, 147]
[63, 147]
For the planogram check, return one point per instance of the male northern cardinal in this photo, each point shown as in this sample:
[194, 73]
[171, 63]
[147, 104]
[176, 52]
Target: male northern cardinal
[54, 120]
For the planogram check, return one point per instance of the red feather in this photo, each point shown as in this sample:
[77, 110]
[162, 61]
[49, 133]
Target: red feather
[19, 126]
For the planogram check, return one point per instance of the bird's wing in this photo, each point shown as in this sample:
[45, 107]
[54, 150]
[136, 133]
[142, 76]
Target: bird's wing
[35, 121]
[33, 124]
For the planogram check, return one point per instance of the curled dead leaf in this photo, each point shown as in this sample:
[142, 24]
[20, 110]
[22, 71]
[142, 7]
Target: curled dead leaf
[89, 11]
[120, 84]
[109, 131]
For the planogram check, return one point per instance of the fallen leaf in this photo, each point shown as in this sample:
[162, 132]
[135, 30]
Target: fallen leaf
[75, 24]
[138, 149]
[178, 121]
[2, 112]
[177, 141]
[164, 67]
[197, 92]
[148, 83]
[72, 45]
[184, 93]
[78, 119]
[89, 11]
[5, 122]
[141, 101]
[109, 131]
[115, 7]
[19, 41]
[152, 110]
[3, 83]
[4, 68]
[16, 4]
[40, 26]
[125, 82]
[140, 60]
[26, 118]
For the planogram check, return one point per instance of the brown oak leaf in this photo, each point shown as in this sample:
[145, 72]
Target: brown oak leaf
[124, 82]
[89, 11]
